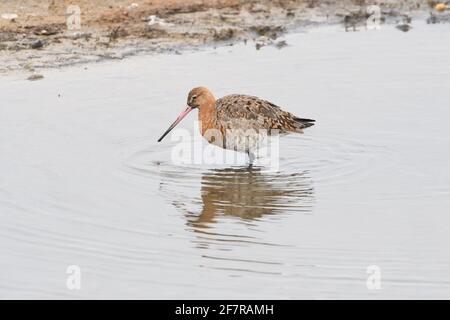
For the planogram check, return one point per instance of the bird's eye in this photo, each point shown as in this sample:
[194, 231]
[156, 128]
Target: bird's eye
[193, 98]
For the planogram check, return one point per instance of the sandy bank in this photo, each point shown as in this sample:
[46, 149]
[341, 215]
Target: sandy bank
[36, 34]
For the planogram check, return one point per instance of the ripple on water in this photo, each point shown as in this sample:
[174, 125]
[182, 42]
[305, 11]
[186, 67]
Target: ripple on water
[227, 208]
[331, 160]
[225, 204]
[220, 203]
[325, 159]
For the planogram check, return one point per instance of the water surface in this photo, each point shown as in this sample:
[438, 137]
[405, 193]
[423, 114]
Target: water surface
[84, 182]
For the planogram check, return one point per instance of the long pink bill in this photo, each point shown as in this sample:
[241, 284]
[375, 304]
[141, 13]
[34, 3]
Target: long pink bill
[177, 121]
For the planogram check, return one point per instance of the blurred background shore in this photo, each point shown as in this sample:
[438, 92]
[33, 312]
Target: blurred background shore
[52, 33]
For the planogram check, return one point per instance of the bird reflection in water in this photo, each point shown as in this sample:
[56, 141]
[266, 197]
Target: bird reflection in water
[248, 194]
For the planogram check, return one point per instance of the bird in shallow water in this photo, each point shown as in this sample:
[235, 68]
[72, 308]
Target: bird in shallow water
[239, 122]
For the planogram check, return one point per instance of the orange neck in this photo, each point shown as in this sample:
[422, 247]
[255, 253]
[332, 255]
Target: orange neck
[207, 115]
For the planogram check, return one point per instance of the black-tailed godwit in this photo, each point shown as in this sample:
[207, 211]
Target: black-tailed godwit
[241, 115]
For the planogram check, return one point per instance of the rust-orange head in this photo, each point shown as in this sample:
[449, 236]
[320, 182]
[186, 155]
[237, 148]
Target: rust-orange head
[200, 98]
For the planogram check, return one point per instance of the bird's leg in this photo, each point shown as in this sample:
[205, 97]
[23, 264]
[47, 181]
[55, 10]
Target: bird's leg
[251, 158]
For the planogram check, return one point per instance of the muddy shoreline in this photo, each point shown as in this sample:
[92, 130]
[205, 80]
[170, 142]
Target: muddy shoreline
[44, 34]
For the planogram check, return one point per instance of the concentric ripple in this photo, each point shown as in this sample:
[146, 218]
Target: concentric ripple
[208, 194]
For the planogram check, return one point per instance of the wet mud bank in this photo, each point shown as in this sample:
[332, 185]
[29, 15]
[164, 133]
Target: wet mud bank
[46, 34]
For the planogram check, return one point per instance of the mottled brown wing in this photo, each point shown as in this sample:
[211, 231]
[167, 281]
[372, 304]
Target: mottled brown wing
[247, 112]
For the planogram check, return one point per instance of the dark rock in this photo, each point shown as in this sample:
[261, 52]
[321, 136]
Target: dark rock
[35, 77]
[281, 44]
[403, 27]
[36, 44]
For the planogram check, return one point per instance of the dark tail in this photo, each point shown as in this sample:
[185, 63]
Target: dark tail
[304, 123]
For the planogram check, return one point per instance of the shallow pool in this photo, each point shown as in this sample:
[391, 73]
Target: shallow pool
[364, 195]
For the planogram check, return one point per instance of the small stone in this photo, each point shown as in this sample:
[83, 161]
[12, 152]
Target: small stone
[37, 44]
[132, 6]
[28, 66]
[258, 8]
[281, 44]
[9, 16]
[263, 41]
[404, 27]
[35, 77]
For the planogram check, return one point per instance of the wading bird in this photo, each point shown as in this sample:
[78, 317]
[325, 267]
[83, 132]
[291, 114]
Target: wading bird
[237, 121]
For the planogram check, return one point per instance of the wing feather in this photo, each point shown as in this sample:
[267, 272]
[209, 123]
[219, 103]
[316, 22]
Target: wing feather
[247, 112]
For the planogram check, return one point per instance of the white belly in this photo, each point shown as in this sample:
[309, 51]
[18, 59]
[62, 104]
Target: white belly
[245, 140]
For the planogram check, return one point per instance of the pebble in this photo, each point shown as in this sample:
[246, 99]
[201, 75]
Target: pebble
[37, 44]
[35, 77]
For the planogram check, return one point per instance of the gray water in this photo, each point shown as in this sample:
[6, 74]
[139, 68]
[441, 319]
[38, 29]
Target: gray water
[84, 182]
